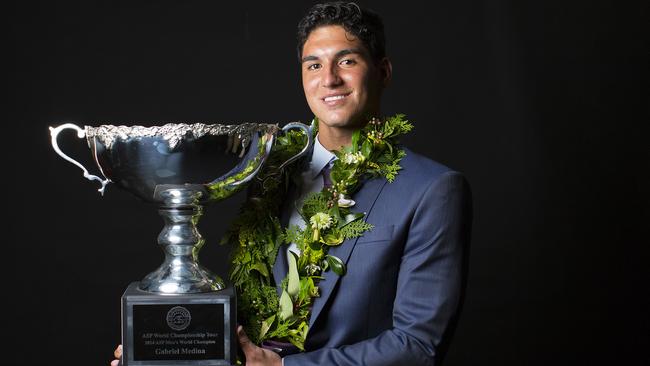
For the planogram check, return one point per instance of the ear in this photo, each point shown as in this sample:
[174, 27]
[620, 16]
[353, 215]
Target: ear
[385, 71]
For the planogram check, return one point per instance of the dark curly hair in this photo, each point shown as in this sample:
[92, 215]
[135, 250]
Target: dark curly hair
[362, 23]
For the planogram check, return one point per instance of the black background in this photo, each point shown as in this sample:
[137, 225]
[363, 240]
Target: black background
[542, 104]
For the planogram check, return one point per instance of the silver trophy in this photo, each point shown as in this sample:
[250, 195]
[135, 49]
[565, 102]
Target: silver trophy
[181, 313]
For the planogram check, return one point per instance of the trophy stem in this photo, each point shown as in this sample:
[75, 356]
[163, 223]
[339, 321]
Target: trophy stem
[181, 241]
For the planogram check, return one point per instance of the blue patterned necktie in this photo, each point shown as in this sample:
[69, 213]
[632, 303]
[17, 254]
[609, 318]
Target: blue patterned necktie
[327, 180]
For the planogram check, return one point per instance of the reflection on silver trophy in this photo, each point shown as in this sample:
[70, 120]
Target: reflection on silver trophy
[181, 168]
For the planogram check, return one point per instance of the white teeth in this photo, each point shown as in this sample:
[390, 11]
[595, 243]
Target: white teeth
[336, 97]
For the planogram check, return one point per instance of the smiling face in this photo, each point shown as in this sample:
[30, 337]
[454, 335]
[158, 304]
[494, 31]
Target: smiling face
[342, 83]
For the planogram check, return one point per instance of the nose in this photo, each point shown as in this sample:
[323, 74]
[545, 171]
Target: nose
[331, 78]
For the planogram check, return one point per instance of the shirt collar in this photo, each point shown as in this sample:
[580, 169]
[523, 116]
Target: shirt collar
[319, 159]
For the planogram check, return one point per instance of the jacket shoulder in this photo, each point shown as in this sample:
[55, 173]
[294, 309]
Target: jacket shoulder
[419, 168]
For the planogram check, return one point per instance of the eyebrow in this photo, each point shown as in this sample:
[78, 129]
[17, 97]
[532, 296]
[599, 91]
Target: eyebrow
[339, 54]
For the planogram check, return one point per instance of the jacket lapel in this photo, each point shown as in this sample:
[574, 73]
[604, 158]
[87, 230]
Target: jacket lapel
[281, 267]
[365, 200]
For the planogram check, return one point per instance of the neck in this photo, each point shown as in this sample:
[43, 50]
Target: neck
[333, 139]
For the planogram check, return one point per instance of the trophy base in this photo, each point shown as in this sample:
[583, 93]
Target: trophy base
[178, 329]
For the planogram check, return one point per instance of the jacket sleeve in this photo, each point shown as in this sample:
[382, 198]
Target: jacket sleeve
[429, 284]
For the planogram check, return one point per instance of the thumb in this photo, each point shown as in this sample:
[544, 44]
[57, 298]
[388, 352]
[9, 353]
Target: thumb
[244, 341]
[118, 351]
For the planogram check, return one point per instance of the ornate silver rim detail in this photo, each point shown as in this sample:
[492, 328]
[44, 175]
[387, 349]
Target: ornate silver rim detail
[175, 132]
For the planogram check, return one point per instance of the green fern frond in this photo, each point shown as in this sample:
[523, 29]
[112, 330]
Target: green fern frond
[355, 229]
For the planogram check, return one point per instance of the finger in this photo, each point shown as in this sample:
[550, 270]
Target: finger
[118, 351]
[244, 341]
[115, 362]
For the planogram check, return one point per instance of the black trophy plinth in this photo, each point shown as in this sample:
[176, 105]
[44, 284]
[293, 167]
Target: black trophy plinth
[178, 329]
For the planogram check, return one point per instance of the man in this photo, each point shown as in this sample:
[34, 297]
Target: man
[403, 283]
[404, 277]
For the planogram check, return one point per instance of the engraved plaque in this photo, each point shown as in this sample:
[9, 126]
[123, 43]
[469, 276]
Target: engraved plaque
[175, 332]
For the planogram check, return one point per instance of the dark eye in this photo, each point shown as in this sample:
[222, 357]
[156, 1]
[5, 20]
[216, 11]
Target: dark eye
[314, 67]
[347, 62]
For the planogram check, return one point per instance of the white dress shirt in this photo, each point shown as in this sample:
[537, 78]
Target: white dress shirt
[311, 180]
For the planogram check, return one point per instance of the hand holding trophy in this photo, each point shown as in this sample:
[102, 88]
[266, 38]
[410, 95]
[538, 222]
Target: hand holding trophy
[181, 313]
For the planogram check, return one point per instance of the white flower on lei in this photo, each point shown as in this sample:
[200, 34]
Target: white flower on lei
[353, 158]
[345, 202]
[320, 221]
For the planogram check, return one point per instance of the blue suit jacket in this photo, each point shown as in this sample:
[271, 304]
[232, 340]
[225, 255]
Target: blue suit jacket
[404, 277]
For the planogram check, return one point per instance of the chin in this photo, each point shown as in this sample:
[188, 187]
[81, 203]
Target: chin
[340, 120]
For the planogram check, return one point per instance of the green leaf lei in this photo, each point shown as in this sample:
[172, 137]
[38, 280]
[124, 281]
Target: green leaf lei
[257, 234]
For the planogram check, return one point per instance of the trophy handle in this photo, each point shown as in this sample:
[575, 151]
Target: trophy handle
[81, 133]
[310, 141]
